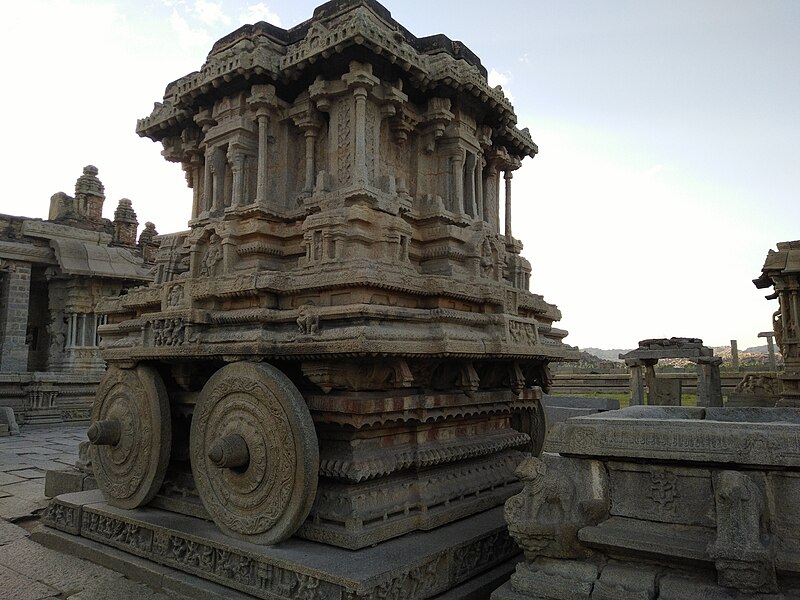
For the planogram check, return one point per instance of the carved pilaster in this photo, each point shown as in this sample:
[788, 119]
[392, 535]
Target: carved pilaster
[360, 81]
[264, 101]
[205, 122]
[508, 175]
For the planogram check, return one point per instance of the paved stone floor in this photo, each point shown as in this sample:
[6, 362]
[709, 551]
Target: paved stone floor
[29, 571]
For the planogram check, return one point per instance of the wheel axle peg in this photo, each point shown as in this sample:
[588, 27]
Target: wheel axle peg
[229, 452]
[105, 433]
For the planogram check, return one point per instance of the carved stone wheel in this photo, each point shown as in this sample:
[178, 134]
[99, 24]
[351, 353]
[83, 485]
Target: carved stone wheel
[532, 421]
[130, 435]
[254, 453]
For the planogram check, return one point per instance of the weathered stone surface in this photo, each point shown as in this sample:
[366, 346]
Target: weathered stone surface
[663, 392]
[10, 532]
[19, 587]
[658, 493]
[747, 436]
[7, 417]
[345, 231]
[241, 410]
[780, 271]
[547, 579]
[755, 389]
[545, 517]
[52, 275]
[419, 565]
[131, 435]
[711, 487]
[745, 558]
[620, 581]
[598, 404]
[53, 569]
[64, 481]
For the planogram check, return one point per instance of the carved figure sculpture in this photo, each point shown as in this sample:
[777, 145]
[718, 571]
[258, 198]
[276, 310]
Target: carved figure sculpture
[744, 558]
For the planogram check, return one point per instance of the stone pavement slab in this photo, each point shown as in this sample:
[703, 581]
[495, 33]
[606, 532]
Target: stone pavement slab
[19, 587]
[28, 570]
[24, 460]
[10, 533]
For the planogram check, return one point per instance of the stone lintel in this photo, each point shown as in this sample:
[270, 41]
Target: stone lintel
[26, 253]
[689, 353]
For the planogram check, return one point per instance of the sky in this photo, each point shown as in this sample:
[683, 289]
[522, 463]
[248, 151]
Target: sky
[668, 136]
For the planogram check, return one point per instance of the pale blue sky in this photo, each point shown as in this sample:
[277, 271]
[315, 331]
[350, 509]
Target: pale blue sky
[668, 163]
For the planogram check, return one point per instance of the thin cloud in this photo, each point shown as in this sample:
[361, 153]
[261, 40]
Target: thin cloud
[260, 12]
[210, 13]
[496, 78]
[188, 37]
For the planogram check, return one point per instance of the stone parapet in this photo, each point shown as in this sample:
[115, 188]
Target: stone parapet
[636, 495]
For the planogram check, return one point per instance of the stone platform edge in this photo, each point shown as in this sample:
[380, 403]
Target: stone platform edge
[473, 555]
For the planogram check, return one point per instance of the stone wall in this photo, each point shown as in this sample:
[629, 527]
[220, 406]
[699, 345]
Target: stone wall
[619, 383]
[14, 297]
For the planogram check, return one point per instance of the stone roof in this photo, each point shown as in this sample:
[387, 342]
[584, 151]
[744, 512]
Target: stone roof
[343, 30]
[785, 260]
[76, 257]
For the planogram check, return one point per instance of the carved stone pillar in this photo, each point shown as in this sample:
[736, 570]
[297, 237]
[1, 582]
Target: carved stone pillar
[470, 162]
[205, 198]
[236, 158]
[208, 182]
[709, 386]
[311, 139]
[196, 168]
[15, 284]
[509, 175]
[478, 177]
[310, 124]
[261, 173]
[360, 95]
[263, 100]
[218, 164]
[636, 382]
[360, 81]
[457, 180]
[491, 197]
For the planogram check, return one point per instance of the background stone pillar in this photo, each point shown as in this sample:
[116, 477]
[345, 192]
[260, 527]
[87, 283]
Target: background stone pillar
[773, 364]
[709, 385]
[735, 355]
[650, 380]
[637, 383]
[15, 287]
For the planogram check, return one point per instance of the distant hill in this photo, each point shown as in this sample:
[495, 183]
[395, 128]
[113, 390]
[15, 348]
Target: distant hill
[596, 357]
[760, 349]
[612, 355]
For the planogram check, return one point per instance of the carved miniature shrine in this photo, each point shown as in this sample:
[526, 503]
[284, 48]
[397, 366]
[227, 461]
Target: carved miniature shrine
[343, 348]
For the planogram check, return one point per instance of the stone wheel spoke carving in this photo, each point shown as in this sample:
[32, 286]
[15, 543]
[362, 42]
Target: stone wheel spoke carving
[254, 453]
[131, 435]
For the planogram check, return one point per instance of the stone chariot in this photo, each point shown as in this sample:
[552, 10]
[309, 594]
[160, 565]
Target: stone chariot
[343, 346]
